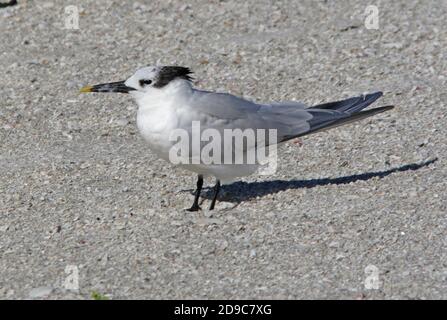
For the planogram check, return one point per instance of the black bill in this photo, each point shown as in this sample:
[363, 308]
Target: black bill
[108, 87]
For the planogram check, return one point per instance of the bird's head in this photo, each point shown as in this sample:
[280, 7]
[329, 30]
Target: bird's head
[144, 80]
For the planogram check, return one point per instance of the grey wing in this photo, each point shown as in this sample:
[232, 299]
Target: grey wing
[290, 119]
[225, 111]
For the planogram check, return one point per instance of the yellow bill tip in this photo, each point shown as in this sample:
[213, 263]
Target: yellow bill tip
[86, 89]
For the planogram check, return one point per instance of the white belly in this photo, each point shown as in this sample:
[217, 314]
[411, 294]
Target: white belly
[156, 125]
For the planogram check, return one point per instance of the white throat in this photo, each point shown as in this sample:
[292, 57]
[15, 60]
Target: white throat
[177, 91]
[158, 112]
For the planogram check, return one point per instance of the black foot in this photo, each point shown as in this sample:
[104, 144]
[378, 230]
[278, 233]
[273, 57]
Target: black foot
[194, 208]
[195, 204]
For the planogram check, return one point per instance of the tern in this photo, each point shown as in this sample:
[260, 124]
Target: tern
[167, 101]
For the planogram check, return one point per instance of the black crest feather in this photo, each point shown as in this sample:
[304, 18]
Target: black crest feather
[169, 73]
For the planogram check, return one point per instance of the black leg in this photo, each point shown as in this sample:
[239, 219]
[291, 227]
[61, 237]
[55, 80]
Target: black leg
[195, 205]
[216, 192]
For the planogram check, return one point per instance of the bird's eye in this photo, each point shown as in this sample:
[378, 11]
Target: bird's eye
[144, 82]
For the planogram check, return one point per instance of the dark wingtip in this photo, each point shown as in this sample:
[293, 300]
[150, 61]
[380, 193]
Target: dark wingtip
[375, 95]
[379, 93]
[386, 108]
[353, 104]
[376, 110]
[371, 96]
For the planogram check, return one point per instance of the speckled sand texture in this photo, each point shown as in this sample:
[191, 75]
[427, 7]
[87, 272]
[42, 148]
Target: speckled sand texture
[79, 187]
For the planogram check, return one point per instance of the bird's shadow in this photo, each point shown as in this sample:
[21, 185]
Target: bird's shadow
[243, 191]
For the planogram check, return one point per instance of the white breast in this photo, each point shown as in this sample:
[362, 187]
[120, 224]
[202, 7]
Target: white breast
[158, 116]
[162, 111]
[155, 127]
